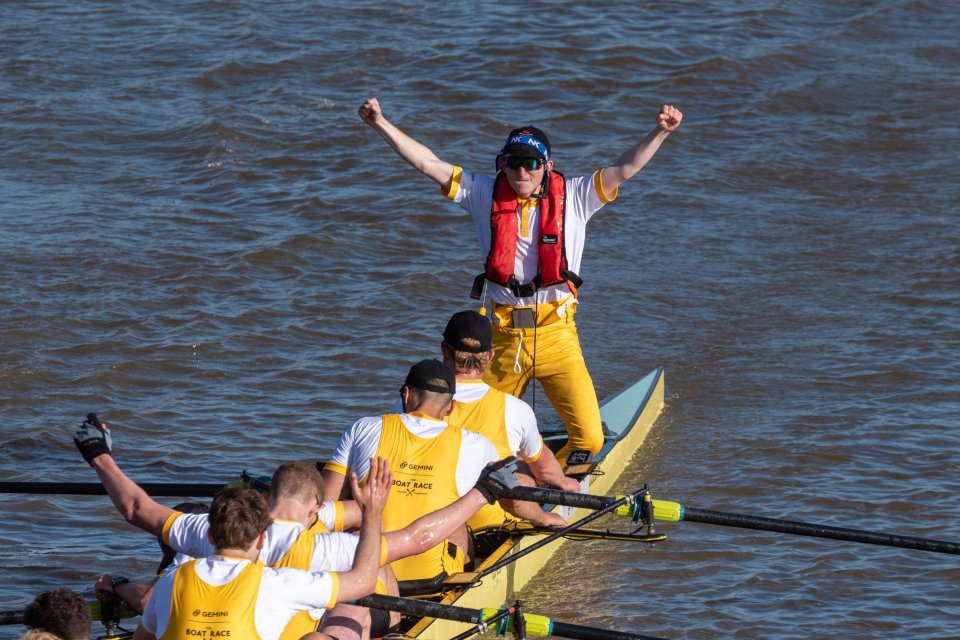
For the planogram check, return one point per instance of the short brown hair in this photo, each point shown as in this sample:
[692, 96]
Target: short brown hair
[237, 517]
[297, 480]
[60, 612]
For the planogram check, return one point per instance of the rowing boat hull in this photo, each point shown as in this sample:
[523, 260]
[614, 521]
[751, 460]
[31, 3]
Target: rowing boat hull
[629, 415]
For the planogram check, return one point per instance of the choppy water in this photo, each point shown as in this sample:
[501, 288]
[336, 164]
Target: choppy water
[201, 241]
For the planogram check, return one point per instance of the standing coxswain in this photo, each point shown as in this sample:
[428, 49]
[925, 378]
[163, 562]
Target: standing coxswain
[531, 225]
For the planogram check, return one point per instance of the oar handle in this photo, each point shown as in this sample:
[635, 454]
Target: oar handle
[663, 510]
[546, 495]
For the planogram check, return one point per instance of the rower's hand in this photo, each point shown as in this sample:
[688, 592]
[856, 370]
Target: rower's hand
[103, 588]
[669, 118]
[570, 484]
[92, 438]
[370, 111]
[372, 497]
[497, 478]
[552, 520]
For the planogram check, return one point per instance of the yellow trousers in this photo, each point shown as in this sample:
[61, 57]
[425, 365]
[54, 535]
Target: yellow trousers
[559, 368]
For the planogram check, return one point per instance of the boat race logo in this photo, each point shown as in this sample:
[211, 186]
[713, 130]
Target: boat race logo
[416, 486]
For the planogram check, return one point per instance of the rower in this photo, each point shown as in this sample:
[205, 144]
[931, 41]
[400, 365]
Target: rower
[503, 419]
[231, 595]
[433, 466]
[299, 536]
[136, 594]
[59, 612]
[531, 226]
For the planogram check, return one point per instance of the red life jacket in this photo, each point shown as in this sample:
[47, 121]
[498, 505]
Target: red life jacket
[551, 257]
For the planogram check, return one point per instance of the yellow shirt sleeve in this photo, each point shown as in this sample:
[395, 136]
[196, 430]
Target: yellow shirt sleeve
[454, 188]
[336, 467]
[383, 551]
[165, 534]
[334, 589]
[536, 457]
[598, 185]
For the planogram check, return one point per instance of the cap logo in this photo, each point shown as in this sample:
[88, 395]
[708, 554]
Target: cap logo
[529, 141]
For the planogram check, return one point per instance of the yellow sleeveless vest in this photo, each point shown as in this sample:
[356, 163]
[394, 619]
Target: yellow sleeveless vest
[201, 610]
[424, 480]
[486, 416]
[300, 556]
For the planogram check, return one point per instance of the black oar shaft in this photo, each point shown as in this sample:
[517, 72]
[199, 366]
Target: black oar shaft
[184, 489]
[613, 503]
[565, 630]
[817, 530]
[11, 617]
[428, 609]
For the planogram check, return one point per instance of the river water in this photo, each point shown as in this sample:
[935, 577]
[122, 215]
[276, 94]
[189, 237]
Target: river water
[201, 241]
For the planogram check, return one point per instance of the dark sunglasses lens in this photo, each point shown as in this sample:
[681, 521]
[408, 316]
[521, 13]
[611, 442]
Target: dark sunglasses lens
[530, 164]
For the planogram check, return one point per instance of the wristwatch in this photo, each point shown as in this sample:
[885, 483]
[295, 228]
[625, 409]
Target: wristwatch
[116, 582]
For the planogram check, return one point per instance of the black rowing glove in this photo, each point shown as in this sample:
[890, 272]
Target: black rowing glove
[497, 479]
[92, 438]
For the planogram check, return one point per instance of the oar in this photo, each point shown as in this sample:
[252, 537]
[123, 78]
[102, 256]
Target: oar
[535, 625]
[96, 612]
[593, 534]
[188, 489]
[667, 511]
[179, 489]
[612, 505]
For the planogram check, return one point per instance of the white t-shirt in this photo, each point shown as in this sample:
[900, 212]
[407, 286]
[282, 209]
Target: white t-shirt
[332, 551]
[474, 193]
[283, 593]
[359, 444]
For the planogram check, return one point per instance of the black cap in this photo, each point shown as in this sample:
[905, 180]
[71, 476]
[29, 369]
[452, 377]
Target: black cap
[465, 325]
[431, 375]
[519, 143]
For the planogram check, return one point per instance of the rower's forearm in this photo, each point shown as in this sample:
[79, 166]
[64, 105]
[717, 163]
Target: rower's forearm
[548, 471]
[135, 594]
[416, 154]
[125, 494]
[361, 580]
[635, 158]
[529, 511]
[431, 529]
[133, 503]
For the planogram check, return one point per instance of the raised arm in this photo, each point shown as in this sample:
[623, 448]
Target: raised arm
[416, 154]
[94, 442]
[634, 159]
[361, 580]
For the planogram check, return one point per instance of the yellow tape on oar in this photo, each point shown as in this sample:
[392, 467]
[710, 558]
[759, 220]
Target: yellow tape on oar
[663, 510]
[540, 626]
[96, 610]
